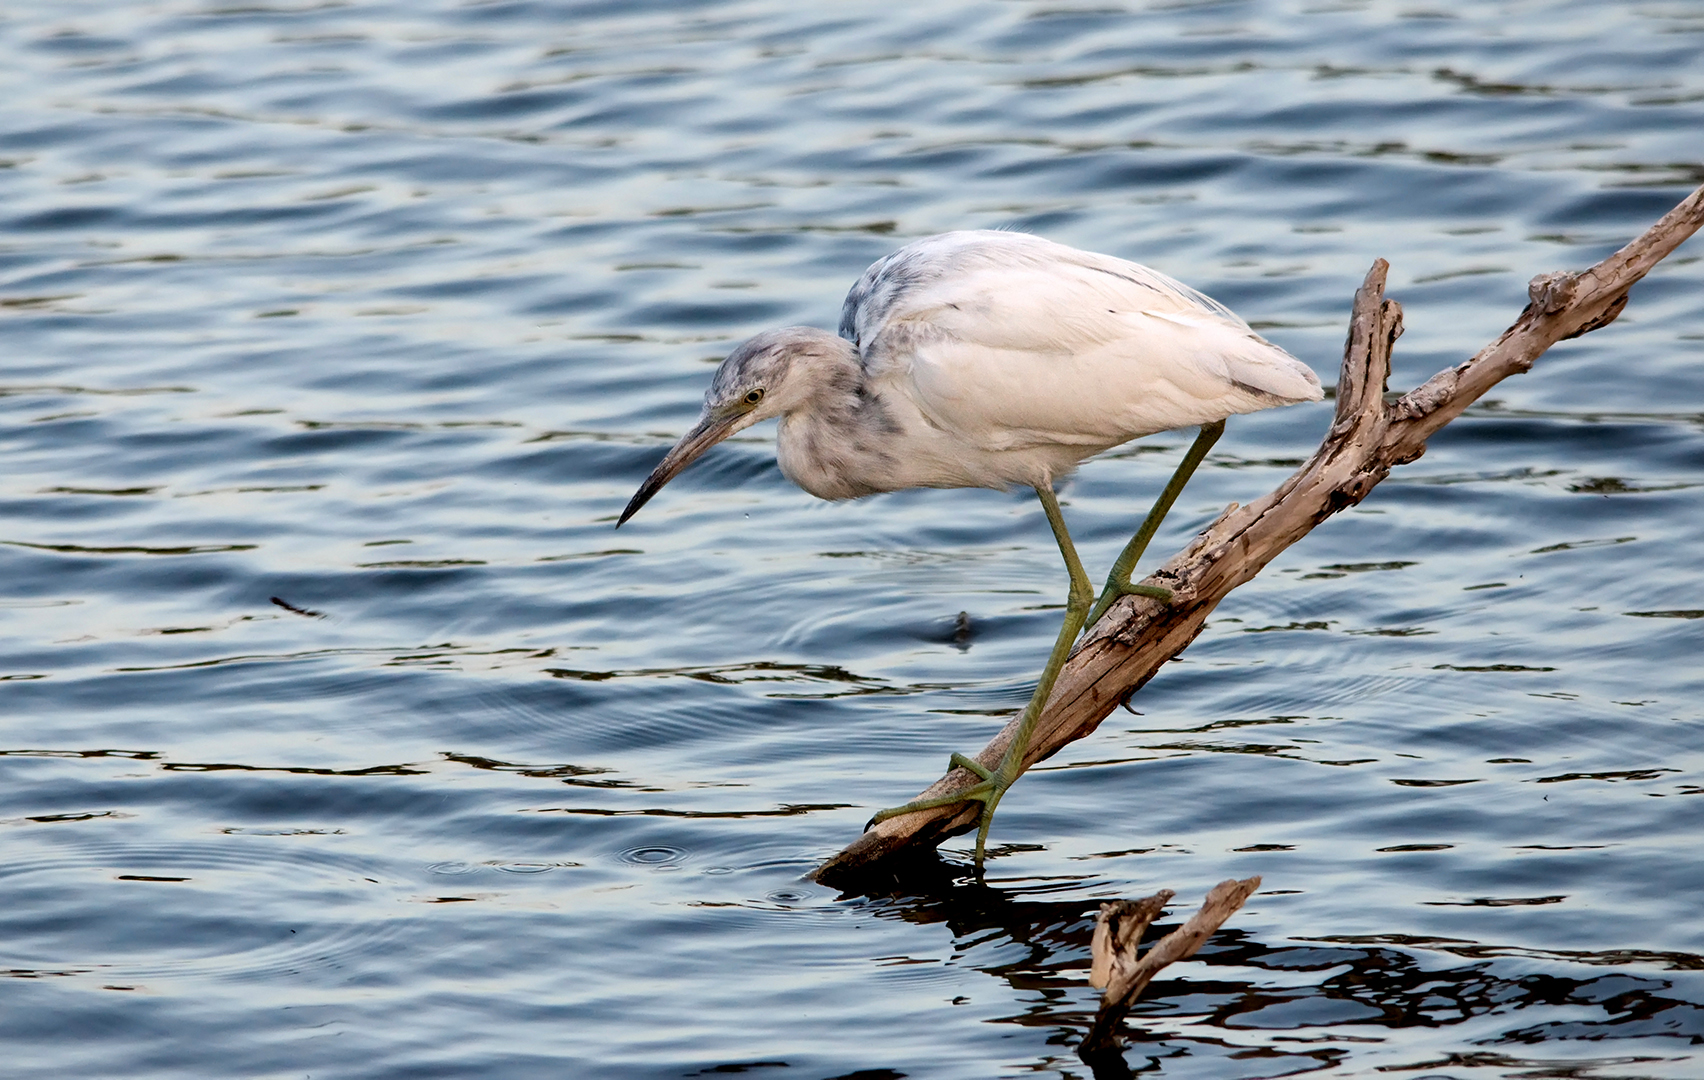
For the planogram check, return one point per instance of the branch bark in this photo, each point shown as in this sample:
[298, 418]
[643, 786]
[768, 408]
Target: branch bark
[1118, 934]
[1368, 437]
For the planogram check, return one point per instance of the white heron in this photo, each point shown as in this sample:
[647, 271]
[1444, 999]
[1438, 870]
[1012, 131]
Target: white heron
[993, 359]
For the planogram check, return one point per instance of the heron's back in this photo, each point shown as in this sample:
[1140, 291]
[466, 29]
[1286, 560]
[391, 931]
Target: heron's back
[1009, 343]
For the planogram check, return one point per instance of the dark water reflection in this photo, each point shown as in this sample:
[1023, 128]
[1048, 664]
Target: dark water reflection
[1251, 1010]
[341, 735]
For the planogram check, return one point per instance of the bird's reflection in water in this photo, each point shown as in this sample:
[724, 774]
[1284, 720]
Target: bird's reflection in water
[1247, 1007]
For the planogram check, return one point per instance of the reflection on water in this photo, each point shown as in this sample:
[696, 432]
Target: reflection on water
[1240, 1012]
[339, 728]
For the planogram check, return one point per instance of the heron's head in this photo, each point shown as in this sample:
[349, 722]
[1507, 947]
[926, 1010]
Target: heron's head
[771, 374]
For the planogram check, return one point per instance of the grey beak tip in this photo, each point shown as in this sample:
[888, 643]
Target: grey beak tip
[649, 488]
[691, 445]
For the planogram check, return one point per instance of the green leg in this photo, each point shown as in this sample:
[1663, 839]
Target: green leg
[996, 781]
[1118, 581]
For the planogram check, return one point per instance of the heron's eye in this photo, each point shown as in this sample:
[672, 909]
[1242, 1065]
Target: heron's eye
[754, 396]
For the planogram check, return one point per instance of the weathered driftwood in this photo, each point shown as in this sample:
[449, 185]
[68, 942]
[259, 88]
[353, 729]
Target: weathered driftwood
[1118, 935]
[1368, 437]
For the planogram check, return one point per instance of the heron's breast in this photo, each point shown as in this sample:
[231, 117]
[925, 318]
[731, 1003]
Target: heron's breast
[837, 461]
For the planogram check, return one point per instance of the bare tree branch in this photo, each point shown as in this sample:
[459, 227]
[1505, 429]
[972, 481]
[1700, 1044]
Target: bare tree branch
[1118, 934]
[1367, 439]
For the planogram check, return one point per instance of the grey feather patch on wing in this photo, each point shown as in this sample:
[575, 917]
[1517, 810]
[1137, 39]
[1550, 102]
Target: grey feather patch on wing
[882, 287]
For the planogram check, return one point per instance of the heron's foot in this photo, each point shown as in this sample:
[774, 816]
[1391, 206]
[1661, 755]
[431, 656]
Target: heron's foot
[1116, 589]
[993, 786]
[1158, 592]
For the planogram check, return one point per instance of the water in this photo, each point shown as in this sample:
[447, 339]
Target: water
[383, 310]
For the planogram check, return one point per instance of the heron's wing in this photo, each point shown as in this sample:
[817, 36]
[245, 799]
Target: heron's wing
[1009, 340]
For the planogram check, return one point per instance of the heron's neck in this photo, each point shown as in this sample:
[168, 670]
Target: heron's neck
[832, 440]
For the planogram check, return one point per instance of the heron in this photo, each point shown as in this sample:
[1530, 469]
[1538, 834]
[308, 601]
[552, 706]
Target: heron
[996, 359]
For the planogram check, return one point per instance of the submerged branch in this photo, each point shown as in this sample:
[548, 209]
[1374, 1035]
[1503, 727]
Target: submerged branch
[1368, 437]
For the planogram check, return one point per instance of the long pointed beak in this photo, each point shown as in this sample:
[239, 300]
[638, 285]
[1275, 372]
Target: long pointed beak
[709, 431]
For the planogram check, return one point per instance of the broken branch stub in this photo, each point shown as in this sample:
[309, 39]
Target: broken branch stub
[1118, 931]
[1367, 438]
[1118, 934]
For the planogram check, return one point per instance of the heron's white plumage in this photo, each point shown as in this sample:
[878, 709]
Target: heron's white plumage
[1025, 356]
[1010, 341]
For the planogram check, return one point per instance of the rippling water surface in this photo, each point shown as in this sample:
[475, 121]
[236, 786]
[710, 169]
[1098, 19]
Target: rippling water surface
[383, 310]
